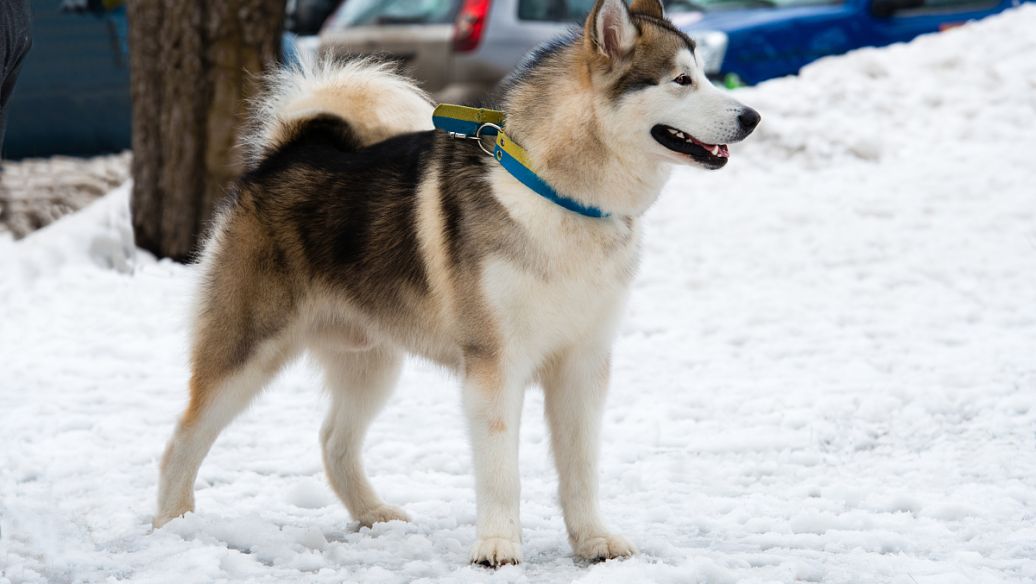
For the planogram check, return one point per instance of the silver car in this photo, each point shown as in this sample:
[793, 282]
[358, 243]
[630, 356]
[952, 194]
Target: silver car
[457, 49]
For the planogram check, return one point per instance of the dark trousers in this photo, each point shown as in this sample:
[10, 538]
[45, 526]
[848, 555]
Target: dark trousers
[15, 40]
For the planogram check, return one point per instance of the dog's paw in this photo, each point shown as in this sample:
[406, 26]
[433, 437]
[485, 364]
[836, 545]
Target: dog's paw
[598, 548]
[382, 514]
[496, 551]
[160, 520]
[172, 512]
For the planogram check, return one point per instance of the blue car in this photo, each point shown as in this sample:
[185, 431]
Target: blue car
[749, 41]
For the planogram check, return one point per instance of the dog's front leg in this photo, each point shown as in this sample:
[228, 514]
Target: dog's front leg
[493, 405]
[575, 386]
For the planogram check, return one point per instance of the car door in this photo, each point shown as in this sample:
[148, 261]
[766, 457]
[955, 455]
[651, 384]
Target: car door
[416, 33]
[929, 16]
[797, 35]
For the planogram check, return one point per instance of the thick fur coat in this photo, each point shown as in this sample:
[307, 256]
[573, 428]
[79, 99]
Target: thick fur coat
[361, 235]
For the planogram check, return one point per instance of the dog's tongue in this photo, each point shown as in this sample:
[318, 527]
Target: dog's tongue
[719, 150]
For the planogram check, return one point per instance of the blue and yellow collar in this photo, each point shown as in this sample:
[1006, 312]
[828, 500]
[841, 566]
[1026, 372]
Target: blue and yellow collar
[475, 123]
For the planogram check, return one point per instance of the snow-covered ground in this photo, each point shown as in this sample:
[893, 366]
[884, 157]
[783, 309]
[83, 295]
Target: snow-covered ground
[827, 373]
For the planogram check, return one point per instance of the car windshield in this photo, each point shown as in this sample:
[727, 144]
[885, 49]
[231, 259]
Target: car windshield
[677, 6]
[366, 12]
[576, 10]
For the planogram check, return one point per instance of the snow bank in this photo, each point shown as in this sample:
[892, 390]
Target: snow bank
[101, 235]
[971, 84]
[826, 373]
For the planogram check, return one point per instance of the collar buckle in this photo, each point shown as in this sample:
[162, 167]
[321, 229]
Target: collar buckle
[477, 136]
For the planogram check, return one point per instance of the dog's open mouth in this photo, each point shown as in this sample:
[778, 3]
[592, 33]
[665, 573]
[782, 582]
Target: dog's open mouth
[711, 155]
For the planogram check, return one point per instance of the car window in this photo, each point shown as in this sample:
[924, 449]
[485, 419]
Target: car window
[576, 10]
[677, 6]
[554, 10]
[368, 12]
[794, 3]
[936, 6]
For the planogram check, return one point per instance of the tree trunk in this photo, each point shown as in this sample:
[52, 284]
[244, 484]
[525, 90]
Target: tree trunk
[193, 65]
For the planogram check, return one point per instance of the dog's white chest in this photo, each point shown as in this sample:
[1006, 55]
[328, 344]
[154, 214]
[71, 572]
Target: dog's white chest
[574, 300]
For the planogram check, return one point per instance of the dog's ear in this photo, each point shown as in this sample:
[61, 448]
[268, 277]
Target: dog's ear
[651, 8]
[610, 30]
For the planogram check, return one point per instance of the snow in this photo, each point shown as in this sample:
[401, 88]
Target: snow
[827, 373]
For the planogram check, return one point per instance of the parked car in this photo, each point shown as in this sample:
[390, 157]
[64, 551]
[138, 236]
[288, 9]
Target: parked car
[306, 17]
[749, 41]
[459, 49]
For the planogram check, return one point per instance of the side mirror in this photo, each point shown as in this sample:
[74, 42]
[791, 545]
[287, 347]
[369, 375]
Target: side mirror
[887, 8]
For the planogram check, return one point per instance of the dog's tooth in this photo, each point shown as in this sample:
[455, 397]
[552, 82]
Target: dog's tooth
[679, 135]
[715, 150]
[672, 130]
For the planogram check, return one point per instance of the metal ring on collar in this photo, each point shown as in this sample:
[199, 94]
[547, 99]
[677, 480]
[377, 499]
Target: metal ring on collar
[478, 136]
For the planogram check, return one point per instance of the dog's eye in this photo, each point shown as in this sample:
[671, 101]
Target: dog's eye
[683, 79]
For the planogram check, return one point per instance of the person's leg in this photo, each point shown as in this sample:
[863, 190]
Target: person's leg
[16, 31]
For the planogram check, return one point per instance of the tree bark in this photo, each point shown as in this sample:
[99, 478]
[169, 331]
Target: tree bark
[193, 66]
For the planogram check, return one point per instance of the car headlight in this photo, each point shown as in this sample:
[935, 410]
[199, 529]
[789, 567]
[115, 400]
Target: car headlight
[712, 47]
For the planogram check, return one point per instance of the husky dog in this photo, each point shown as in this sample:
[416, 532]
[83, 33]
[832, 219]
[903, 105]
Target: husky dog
[361, 235]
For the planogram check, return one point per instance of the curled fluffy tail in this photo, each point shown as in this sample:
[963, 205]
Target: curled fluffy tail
[369, 96]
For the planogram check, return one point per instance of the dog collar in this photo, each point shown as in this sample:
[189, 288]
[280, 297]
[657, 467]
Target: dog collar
[476, 123]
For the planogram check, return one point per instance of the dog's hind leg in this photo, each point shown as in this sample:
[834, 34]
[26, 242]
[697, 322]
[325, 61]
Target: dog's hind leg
[218, 395]
[242, 338]
[360, 382]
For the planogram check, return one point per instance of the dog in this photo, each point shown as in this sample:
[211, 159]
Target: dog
[362, 235]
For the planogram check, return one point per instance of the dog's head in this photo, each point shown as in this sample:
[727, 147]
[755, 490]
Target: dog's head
[651, 83]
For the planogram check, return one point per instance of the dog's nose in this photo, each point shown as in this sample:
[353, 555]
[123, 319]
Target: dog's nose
[749, 119]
